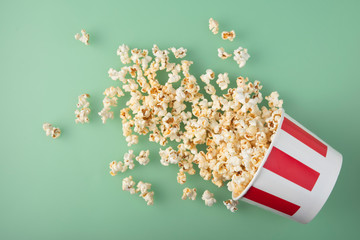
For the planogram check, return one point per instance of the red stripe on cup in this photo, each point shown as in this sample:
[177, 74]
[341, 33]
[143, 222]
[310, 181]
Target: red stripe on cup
[271, 201]
[303, 136]
[293, 170]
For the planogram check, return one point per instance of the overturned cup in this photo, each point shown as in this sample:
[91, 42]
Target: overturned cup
[297, 174]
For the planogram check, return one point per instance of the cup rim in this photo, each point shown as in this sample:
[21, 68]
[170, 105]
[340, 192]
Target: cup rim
[264, 159]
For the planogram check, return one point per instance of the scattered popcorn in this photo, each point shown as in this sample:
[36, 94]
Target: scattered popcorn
[213, 26]
[228, 35]
[110, 100]
[128, 185]
[51, 131]
[143, 157]
[241, 56]
[208, 197]
[222, 54]
[231, 205]
[178, 53]
[84, 37]
[223, 81]
[189, 193]
[235, 127]
[83, 113]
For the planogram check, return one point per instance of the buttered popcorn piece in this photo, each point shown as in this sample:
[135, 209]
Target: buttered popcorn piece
[241, 56]
[116, 167]
[123, 52]
[222, 54]
[208, 197]
[128, 185]
[223, 80]
[178, 53]
[148, 197]
[228, 35]
[189, 193]
[143, 157]
[129, 159]
[213, 26]
[208, 76]
[51, 131]
[143, 187]
[274, 101]
[231, 205]
[82, 114]
[84, 37]
[181, 177]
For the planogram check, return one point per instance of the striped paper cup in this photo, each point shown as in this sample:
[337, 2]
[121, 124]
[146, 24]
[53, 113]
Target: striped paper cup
[297, 174]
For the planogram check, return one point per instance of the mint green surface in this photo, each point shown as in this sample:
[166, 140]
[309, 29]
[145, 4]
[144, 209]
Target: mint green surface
[61, 189]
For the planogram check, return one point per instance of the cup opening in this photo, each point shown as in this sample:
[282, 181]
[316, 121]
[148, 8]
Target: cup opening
[264, 159]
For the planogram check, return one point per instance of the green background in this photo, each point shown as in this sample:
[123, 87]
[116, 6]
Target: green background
[61, 189]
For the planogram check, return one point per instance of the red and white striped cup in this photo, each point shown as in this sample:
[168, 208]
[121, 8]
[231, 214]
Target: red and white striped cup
[297, 174]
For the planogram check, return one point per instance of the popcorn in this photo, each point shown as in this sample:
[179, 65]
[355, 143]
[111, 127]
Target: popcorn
[228, 35]
[51, 131]
[231, 205]
[116, 167]
[222, 54]
[123, 52]
[148, 197]
[209, 75]
[83, 113]
[236, 131]
[110, 100]
[84, 37]
[181, 177]
[213, 26]
[274, 100]
[129, 159]
[132, 139]
[143, 187]
[128, 185]
[189, 193]
[208, 197]
[241, 56]
[143, 157]
[223, 81]
[168, 156]
[178, 53]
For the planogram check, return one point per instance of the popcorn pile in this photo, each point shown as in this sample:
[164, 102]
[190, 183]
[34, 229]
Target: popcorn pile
[235, 129]
[234, 126]
[143, 188]
[51, 131]
[83, 113]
